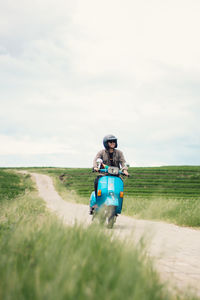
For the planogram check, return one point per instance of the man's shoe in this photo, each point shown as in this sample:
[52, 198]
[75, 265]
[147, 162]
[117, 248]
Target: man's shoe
[91, 210]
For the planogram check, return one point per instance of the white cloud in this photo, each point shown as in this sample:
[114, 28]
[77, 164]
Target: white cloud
[77, 71]
[25, 145]
[129, 37]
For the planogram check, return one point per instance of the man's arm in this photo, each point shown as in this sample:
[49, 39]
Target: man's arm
[99, 155]
[123, 163]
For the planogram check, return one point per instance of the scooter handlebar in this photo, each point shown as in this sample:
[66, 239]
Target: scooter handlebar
[125, 174]
[106, 171]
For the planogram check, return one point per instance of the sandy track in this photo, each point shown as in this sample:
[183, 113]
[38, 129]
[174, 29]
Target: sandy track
[176, 250]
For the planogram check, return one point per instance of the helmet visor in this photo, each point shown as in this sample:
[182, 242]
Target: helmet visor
[112, 141]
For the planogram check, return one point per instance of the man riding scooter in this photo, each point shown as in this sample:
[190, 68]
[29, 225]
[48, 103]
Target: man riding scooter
[110, 156]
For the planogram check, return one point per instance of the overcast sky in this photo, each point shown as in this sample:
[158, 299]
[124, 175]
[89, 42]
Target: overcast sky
[73, 71]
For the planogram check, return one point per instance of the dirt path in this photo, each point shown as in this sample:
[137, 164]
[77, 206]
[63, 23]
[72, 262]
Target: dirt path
[176, 249]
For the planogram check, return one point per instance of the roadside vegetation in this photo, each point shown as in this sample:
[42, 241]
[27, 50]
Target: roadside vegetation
[40, 258]
[170, 194]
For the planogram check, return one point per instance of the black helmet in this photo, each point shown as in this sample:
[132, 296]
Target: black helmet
[107, 138]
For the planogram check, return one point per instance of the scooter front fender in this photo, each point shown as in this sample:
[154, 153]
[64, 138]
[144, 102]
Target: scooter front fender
[112, 200]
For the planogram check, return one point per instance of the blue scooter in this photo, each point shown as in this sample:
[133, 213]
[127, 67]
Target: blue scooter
[110, 192]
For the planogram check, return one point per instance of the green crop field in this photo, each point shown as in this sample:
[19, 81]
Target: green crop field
[160, 193]
[11, 185]
[173, 182]
[40, 258]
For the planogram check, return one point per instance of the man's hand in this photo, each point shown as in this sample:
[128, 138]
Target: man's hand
[125, 172]
[96, 169]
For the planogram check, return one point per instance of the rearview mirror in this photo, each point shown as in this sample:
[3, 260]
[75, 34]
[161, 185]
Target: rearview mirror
[99, 162]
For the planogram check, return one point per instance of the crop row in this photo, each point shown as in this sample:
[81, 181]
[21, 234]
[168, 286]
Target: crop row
[175, 181]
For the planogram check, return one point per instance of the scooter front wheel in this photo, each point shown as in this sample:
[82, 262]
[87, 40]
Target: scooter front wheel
[111, 216]
[99, 215]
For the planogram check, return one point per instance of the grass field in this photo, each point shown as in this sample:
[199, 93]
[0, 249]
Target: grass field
[42, 259]
[171, 194]
[11, 185]
[172, 182]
